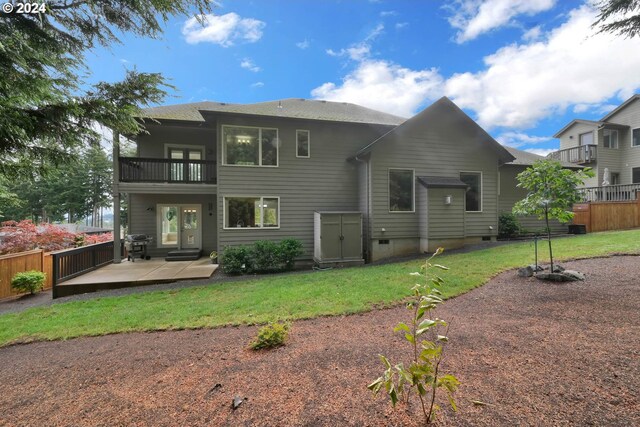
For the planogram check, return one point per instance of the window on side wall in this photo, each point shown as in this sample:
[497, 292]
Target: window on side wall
[252, 212]
[303, 143]
[610, 138]
[635, 176]
[473, 197]
[635, 137]
[250, 146]
[401, 190]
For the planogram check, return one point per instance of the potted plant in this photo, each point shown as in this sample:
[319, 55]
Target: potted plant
[214, 257]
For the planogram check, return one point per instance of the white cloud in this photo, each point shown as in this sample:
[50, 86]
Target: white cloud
[524, 83]
[257, 84]
[384, 86]
[541, 151]
[401, 25]
[386, 13]
[248, 64]
[519, 139]
[532, 34]
[475, 17]
[303, 44]
[224, 30]
[356, 52]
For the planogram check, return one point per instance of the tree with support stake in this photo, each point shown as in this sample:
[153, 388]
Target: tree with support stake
[552, 192]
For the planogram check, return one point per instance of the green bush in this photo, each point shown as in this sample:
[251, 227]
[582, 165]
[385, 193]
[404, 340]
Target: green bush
[235, 259]
[508, 225]
[271, 335]
[265, 256]
[289, 250]
[28, 281]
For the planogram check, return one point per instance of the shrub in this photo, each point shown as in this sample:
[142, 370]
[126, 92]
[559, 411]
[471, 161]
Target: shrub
[235, 259]
[272, 335]
[265, 256]
[289, 250]
[28, 281]
[508, 225]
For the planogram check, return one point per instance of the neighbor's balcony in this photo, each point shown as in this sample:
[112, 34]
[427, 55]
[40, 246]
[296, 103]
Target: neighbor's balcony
[611, 193]
[139, 169]
[580, 155]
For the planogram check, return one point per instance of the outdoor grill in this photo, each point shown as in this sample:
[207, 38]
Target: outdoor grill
[137, 244]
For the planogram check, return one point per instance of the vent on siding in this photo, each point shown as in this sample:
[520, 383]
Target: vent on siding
[383, 241]
[486, 238]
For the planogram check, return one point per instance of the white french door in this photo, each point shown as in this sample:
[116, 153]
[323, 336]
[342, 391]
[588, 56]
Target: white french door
[180, 226]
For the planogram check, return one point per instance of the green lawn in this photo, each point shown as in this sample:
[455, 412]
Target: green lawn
[293, 296]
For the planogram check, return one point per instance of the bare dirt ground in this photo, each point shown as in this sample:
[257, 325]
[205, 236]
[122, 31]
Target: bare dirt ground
[536, 353]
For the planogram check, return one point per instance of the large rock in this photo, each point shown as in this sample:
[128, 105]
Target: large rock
[525, 271]
[565, 276]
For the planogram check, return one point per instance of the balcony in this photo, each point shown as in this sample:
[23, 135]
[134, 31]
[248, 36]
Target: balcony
[141, 170]
[579, 155]
[611, 193]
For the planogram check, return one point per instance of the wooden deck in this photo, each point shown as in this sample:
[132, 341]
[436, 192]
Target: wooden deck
[138, 273]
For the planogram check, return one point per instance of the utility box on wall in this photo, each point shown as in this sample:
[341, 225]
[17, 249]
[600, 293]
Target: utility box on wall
[337, 238]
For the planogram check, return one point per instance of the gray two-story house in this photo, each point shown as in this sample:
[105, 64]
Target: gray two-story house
[611, 144]
[210, 175]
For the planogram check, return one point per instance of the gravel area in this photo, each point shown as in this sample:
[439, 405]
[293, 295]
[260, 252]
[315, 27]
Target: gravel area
[535, 353]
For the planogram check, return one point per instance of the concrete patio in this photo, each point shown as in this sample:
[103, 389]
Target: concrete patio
[137, 273]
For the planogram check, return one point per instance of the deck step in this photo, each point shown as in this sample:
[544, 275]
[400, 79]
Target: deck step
[184, 255]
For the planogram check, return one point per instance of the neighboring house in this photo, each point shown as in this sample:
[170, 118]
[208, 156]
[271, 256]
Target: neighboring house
[510, 193]
[211, 175]
[613, 142]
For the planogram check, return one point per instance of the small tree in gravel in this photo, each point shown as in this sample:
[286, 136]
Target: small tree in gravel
[553, 190]
[426, 335]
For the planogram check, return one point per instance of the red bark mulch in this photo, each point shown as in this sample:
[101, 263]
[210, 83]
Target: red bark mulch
[536, 353]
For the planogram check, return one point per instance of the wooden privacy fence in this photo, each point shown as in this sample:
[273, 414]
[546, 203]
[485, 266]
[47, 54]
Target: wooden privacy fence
[603, 216]
[11, 264]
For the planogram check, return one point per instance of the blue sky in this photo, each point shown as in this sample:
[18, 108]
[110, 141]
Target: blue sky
[521, 68]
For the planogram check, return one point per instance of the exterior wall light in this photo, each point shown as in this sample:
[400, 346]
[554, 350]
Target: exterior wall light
[448, 200]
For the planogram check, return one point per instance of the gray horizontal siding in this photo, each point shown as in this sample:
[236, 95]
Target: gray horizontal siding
[324, 182]
[433, 149]
[446, 221]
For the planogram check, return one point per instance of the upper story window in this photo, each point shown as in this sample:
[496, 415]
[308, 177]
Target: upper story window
[249, 146]
[586, 138]
[610, 138]
[303, 143]
[473, 197]
[401, 190]
[635, 137]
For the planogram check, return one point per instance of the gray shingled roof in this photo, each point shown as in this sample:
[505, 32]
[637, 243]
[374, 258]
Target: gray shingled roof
[524, 158]
[290, 108]
[441, 182]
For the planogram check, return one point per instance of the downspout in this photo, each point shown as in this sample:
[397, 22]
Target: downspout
[368, 207]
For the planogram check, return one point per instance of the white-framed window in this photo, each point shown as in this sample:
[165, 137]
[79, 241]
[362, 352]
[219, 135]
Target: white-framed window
[249, 146]
[251, 212]
[635, 137]
[303, 143]
[473, 196]
[401, 190]
[586, 138]
[635, 175]
[610, 138]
